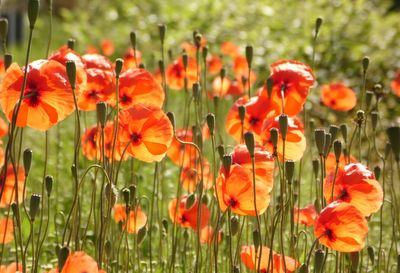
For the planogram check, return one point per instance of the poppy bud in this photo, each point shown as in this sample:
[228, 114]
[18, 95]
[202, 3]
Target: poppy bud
[196, 91]
[49, 184]
[256, 239]
[171, 118]
[343, 130]
[3, 29]
[328, 141]
[318, 24]
[216, 102]
[394, 139]
[71, 73]
[242, 112]
[132, 192]
[371, 254]
[388, 148]
[211, 122]
[270, 85]
[319, 135]
[164, 223]
[7, 60]
[274, 137]
[315, 165]
[33, 11]
[236, 269]
[222, 73]
[303, 268]
[221, 151]
[107, 248]
[227, 162]
[118, 66]
[141, 235]
[126, 193]
[132, 36]
[355, 260]
[249, 55]
[333, 130]
[161, 66]
[111, 194]
[368, 99]
[374, 120]
[101, 110]
[27, 158]
[244, 80]
[289, 170]
[204, 199]
[378, 90]
[71, 43]
[365, 64]
[170, 54]
[62, 257]
[142, 66]
[360, 117]
[377, 172]
[190, 201]
[185, 61]
[319, 260]
[337, 148]
[283, 125]
[34, 206]
[205, 53]
[161, 30]
[250, 142]
[197, 40]
[235, 225]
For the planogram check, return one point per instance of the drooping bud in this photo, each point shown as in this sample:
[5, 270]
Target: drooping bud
[333, 130]
[318, 24]
[141, 235]
[371, 254]
[235, 225]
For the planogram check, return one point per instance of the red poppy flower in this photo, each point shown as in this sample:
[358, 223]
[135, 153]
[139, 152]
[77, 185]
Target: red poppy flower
[1, 154]
[305, 216]
[292, 81]
[130, 60]
[395, 84]
[147, 131]
[229, 48]
[214, 64]
[79, 261]
[355, 184]
[6, 231]
[96, 61]
[137, 218]
[3, 127]
[341, 227]
[182, 154]
[220, 87]
[11, 268]
[119, 147]
[175, 74]
[91, 49]
[187, 217]
[107, 47]
[64, 54]
[207, 234]
[7, 186]
[251, 260]
[191, 175]
[330, 162]
[137, 85]
[338, 96]
[48, 97]
[257, 109]
[295, 143]
[90, 143]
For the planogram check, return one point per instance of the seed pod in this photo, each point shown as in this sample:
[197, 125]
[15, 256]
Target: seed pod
[49, 184]
[34, 206]
[161, 31]
[319, 260]
[283, 125]
[337, 148]
[211, 122]
[196, 91]
[221, 151]
[327, 146]
[365, 63]
[318, 24]
[118, 66]
[227, 162]
[126, 193]
[108, 248]
[242, 112]
[344, 129]
[319, 135]
[101, 110]
[132, 37]
[289, 170]
[185, 60]
[333, 130]
[249, 55]
[256, 238]
[274, 137]
[33, 11]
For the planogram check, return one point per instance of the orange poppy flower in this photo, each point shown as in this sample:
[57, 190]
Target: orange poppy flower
[79, 261]
[235, 191]
[130, 60]
[137, 218]
[100, 88]
[7, 186]
[175, 74]
[295, 143]
[257, 109]
[338, 96]
[3, 127]
[48, 96]
[330, 161]
[107, 47]
[191, 48]
[191, 176]
[91, 49]
[109, 142]
[187, 217]
[220, 87]
[214, 64]
[90, 140]
[341, 227]
[251, 260]
[229, 48]
[355, 184]
[395, 84]
[305, 216]
[1, 154]
[64, 54]
[182, 154]
[206, 235]
[6, 231]
[96, 61]
[240, 66]
[236, 88]
[137, 85]
[293, 80]
[11, 268]
[147, 131]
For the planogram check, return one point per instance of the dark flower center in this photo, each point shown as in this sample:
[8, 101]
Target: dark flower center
[344, 195]
[254, 120]
[233, 202]
[330, 235]
[125, 99]
[32, 97]
[136, 138]
[93, 94]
